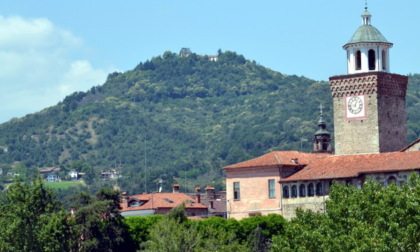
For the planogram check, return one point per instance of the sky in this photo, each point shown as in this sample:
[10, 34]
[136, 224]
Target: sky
[50, 49]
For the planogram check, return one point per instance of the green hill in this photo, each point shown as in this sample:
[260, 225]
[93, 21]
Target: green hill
[177, 118]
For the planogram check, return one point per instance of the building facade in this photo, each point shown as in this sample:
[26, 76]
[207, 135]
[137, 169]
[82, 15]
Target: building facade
[369, 138]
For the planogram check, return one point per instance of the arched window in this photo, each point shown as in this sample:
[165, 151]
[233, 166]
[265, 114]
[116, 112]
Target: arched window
[392, 180]
[302, 190]
[358, 60]
[294, 191]
[372, 59]
[319, 189]
[286, 192]
[310, 190]
[384, 60]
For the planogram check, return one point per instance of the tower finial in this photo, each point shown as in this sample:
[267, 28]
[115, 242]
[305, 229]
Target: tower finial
[366, 5]
[320, 109]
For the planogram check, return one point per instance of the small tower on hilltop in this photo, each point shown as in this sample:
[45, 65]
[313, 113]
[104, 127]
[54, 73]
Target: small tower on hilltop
[369, 102]
[322, 138]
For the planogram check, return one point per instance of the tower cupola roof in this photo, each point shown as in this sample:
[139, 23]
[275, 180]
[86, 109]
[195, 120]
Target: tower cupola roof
[366, 32]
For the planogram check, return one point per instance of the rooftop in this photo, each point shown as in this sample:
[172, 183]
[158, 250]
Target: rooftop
[279, 158]
[159, 201]
[348, 166]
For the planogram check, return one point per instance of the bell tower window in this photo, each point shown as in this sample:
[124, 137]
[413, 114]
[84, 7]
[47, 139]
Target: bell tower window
[372, 59]
[358, 60]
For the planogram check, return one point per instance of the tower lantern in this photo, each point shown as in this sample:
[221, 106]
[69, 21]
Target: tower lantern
[367, 50]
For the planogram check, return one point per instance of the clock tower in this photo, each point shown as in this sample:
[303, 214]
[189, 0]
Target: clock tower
[369, 102]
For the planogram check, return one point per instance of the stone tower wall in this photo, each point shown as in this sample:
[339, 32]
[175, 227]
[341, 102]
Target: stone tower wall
[384, 127]
[392, 112]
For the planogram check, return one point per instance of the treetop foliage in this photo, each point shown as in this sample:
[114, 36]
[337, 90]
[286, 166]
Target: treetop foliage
[369, 219]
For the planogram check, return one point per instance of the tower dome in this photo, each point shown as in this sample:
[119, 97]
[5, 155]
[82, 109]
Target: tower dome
[367, 50]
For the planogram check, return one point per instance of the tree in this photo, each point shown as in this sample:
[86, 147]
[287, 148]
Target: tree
[32, 220]
[139, 227]
[369, 219]
[172, 233]
[99, 224]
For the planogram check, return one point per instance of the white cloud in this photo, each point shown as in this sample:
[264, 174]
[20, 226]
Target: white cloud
[80, 75]
[37, 66]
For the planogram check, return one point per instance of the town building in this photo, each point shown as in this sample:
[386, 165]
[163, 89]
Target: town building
[214, 201]
[161, 203]
[110, 174]
[369, 140]
[49, 174]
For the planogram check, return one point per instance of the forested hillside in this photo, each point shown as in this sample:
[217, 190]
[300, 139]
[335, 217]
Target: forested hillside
[176, 118]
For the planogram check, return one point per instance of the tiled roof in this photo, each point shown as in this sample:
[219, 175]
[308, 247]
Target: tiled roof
[49, 169]
[161, 200]
[348, 166]
[278, 158]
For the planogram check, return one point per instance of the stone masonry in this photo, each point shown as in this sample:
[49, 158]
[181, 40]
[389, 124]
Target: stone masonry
[384, 127]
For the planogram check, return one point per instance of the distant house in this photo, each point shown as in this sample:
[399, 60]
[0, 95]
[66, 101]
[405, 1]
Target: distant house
[213, 57]
[161, 203]
[109, 174]
[12, 174]
[53, 178]
[49, 174]
[74, 175]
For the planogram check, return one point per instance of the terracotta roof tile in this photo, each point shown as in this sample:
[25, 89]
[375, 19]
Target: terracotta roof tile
[161, 200]
[347, 166]
[277, 158]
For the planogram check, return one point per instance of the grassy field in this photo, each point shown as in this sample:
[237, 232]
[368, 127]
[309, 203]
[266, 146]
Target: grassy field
[65, 184]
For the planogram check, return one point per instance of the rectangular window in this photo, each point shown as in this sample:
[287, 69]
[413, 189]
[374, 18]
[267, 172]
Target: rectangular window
[271, 188]
[236, 191]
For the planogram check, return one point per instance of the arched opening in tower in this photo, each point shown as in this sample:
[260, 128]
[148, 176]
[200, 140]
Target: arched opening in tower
[372, 59]
[358, 60]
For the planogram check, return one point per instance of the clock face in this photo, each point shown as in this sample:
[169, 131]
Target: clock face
[355, 107]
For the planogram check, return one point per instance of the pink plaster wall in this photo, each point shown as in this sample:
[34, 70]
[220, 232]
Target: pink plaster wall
[254, 192]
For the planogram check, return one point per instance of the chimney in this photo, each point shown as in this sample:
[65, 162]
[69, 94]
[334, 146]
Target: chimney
[198, 198]
[198, 189]
[175, 188]
[210, 192]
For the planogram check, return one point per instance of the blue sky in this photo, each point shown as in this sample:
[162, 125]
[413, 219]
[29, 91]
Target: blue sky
[50, 49]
